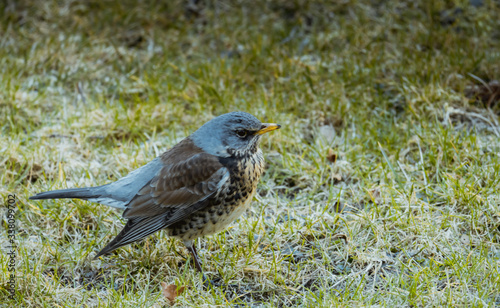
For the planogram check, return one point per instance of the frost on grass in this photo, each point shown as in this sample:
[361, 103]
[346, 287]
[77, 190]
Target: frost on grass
[381, 188]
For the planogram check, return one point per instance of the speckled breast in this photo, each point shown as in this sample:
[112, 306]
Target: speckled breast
[228, 203]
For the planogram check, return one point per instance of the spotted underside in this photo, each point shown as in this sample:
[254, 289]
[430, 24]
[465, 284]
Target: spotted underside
[228, 204]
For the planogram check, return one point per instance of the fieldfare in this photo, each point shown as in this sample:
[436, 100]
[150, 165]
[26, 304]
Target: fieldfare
[196, 188]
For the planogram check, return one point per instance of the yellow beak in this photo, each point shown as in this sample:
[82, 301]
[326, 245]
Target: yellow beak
[267, 127]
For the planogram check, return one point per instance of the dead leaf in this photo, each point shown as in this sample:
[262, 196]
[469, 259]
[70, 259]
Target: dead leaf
[331, 156]
[171, 291]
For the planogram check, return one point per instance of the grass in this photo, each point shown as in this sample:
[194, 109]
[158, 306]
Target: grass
[407, 215]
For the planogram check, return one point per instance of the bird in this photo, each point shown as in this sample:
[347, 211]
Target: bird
[196, 188]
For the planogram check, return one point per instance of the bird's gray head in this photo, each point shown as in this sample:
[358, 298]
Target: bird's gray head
[231, 134]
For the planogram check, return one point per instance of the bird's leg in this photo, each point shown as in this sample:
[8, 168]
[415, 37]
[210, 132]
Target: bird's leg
[206, 282]
[194, 253]
[192, 249]
[196, 258]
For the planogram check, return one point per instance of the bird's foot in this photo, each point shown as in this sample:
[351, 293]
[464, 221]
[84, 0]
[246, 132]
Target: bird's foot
[217, 282]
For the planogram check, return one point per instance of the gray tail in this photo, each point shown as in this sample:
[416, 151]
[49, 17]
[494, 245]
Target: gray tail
[78, 193]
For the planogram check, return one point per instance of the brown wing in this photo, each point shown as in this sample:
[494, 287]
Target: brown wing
[188, 176]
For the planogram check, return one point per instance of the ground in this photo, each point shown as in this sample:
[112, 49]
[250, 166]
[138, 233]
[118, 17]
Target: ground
[381, 188]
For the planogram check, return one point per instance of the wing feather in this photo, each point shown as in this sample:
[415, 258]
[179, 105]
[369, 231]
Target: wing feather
[184, 180]
[179, 184]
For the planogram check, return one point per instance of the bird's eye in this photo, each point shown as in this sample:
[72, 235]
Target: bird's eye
[241, 133]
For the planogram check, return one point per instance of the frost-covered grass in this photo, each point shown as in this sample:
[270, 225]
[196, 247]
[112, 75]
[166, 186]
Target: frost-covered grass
[407, 214]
